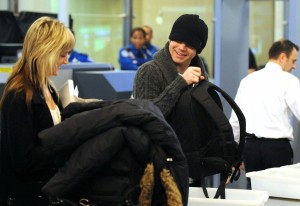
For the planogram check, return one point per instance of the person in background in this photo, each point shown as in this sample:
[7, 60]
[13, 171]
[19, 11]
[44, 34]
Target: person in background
[152, 49]
[133, 56]
[252, 62]
[77, 57]
[268, 98]
[29, 105]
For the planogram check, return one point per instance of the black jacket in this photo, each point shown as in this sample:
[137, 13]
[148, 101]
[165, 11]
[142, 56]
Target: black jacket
[24, 167]
[101, 140]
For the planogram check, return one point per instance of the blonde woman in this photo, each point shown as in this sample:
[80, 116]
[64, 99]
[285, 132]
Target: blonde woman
[29, 105]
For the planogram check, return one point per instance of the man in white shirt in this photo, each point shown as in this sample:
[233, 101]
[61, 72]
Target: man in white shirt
[268, 98]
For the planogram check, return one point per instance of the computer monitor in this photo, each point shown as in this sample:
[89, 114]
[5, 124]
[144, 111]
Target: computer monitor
[67, 71]
[26, 18]
[10, 31]
[107, 85]
[10, 52]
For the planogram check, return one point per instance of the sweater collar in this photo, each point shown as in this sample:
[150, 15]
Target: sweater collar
[165, 63]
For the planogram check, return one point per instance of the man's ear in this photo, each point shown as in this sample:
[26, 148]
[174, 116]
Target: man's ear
[282, 57]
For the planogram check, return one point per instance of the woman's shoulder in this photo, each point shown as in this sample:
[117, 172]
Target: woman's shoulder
[13, 97]
[15, 94]
[19, 97]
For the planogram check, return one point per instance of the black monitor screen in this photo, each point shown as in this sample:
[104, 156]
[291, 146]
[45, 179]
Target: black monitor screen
[26, 18]
[10, 52]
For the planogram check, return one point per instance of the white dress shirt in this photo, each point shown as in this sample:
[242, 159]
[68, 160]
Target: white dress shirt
[268, 98]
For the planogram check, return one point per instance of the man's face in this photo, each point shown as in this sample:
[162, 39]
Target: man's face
[181, 53]
[290, 62]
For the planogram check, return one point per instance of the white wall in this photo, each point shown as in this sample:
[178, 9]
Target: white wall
[4, 4]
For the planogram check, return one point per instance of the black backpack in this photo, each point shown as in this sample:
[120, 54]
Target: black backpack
[206, 135]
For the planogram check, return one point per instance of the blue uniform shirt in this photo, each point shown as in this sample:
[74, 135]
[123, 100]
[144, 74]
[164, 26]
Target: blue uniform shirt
[151, 49]
[76, 56]
[131, 58]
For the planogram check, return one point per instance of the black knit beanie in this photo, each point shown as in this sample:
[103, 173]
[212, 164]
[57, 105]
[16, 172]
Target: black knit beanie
[192, 30]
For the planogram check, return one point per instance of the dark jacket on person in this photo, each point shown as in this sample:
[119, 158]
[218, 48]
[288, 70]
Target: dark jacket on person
[24, 167]
[159, 81]
[110, 147]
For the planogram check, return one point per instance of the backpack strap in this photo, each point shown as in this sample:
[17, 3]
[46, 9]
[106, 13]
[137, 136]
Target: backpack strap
[201, 94]
[221, 189]
[203, 97]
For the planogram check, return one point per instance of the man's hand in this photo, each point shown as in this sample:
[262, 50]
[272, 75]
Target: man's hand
[242, 166]
[192, 75]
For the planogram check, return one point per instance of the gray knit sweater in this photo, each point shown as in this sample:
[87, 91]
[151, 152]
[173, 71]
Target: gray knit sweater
[158, 80]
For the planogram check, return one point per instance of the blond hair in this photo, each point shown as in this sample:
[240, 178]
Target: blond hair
[45, 40]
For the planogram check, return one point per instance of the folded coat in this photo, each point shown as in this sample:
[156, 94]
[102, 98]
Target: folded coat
[94, 137]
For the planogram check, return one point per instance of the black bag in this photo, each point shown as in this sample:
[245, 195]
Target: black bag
[206, 135]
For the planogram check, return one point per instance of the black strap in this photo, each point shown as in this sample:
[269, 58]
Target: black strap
[201, 94]
[204, 186]
[221, 189]
[236, 173]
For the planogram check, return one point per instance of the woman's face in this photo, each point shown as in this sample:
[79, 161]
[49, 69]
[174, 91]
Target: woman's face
[181, 53]
[62, 59]
[138, 39]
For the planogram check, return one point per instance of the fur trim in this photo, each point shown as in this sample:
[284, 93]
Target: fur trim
[172, 191]
[147, 185]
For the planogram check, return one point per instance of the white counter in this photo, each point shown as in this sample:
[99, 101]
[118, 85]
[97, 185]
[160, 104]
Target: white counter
[272, 201]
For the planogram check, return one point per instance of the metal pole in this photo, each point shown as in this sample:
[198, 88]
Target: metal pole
[127, 22]
[63, 12]
[13, 6]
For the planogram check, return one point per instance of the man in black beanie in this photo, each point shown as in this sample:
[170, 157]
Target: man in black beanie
[173, 70]
[175, 67]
